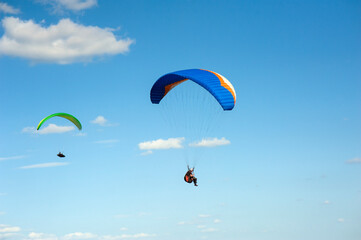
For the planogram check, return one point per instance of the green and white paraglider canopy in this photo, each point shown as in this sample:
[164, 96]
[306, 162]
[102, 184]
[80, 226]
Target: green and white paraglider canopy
[70, 117]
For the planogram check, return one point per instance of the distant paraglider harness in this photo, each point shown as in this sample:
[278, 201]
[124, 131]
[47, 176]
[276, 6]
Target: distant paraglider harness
[189, 176]
[60, 155]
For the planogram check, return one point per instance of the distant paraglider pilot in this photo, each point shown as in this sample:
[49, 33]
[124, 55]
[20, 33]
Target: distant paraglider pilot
[60, 155]
[189, 177]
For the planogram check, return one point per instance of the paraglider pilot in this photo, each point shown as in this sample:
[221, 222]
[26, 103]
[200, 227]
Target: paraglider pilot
[189, 177]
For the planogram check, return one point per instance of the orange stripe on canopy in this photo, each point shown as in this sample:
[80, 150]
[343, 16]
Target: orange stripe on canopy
[172, 85]
[224, 84]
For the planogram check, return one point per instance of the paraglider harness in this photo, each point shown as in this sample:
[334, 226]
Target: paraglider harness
[60, 155]
[189, 177]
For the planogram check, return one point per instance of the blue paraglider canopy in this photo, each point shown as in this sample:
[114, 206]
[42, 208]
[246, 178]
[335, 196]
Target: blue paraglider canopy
[213, 82]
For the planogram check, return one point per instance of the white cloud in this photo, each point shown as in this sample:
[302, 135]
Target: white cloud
[354, 160]
[45, 165]
[204, 215]
[326, 202]
[11, 158]
[51, 128]
[139, 235]
[210, 142]
[107, 141]
[123, 229]
[100, 120]
[5, 8]
[162, 144]
[126, 236]
[41, 236]
[63, 43]
[79, 235]
[201, 226]
[340, 220]
[8, 229]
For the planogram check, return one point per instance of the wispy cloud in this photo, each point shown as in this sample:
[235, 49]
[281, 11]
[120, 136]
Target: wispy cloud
[210, 142]
[146, 153]
[162, 144]
[108, 141]
[31, 130]
[12, 158]
[81, 134]
[198, 220]
[209, 230]
[6, 236]
[136, 235]
[77, 5]
[5, 8]
[354, 160]
[326, 202]
[139, 214]
[45, 165]
[216, 221]
[79, 235]
[63, 43]
[51, 128]
[142, 214]
[74, 5]
[8, 229]
[41, 236]
[340, 220]
[122, 216]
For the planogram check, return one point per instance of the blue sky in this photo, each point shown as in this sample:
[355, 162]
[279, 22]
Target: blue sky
[288, 160]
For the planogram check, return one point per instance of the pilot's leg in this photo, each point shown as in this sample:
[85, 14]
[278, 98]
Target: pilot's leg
[195, 181]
